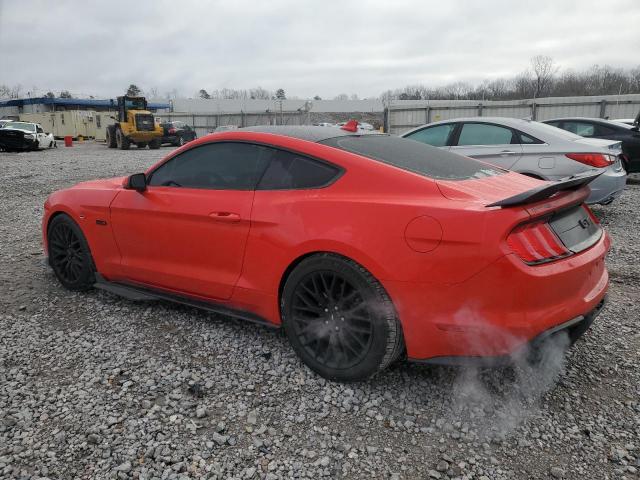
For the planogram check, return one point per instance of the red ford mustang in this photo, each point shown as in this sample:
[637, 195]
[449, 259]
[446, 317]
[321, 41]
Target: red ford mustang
[364, 247]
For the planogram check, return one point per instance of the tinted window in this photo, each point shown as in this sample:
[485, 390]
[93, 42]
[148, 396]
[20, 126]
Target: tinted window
[216, 166]
[601, 130]
[526, 139]
[484, 134]
[580, 128]
[414, 156]
[436, 136]
[554, 124]
[289, 170]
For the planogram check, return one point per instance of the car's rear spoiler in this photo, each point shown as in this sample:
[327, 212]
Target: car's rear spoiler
[548, 189]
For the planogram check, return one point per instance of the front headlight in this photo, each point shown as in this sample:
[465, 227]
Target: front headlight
[29, 136]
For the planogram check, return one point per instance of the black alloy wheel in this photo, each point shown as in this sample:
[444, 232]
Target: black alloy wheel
[339, 319]
[69, 254]
[331, 319]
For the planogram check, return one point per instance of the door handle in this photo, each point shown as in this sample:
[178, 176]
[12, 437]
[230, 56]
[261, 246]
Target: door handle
[228, 217]
[504, 153]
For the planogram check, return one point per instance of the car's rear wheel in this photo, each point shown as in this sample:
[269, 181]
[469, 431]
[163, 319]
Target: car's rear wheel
[339, 319]
[155, 144]
[69, 254]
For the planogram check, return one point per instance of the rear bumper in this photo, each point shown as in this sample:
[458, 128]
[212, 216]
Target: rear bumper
[607, 187]
[574, 329]
[500, 309]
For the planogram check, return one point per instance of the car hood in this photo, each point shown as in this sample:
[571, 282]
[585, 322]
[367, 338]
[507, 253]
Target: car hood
[11, 129]
[103, 184]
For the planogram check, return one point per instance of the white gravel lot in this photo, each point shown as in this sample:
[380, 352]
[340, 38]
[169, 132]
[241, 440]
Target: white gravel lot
[94, 386]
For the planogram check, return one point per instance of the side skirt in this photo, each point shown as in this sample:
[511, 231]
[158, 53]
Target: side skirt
[140, 293]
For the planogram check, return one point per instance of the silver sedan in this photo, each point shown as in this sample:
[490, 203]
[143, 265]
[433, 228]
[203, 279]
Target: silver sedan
[531, 148]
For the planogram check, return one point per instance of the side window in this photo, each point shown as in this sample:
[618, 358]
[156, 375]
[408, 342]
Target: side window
[554, 124]
[484, 134]
[528, 140]
[215, 166]
[289, 170]
[580, 128]
[39, 129]
[603, 131]
[436, 136]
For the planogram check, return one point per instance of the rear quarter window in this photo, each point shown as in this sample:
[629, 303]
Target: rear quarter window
[414, 156]
[288, 171]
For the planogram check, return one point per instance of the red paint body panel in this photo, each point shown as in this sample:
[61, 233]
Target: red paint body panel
[439, 252]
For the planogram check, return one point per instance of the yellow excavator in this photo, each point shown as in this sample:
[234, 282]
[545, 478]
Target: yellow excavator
[134, 125]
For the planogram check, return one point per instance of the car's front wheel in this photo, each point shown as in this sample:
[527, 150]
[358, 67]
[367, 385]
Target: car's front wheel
[69, 254]
[339, 319]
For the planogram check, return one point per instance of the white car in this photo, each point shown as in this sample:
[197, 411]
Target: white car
[16, 135]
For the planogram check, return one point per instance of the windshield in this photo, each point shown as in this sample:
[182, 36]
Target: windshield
[414, 156]
[135, 104]
[20, 125]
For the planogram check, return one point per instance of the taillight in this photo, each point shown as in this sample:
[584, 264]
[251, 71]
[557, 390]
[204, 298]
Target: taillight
[536, 243]
[598, 160]
[172, 131]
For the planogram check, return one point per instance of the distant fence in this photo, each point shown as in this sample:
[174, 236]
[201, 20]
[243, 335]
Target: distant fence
[204, 123]
[401, 116]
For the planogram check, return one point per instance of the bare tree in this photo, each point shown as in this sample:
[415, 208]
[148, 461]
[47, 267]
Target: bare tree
[544, 70]
[260, 93]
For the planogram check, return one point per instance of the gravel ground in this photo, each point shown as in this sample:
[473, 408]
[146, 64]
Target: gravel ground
[93, 386]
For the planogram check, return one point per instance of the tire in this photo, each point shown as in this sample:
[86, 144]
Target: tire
[69, 254]
[122, 141]
[155, 144]
[50, 144]
[111, 137]
[141, 145]
[339, 319]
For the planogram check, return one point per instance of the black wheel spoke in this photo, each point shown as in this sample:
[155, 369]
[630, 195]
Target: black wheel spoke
[331, 319]
[66, 253]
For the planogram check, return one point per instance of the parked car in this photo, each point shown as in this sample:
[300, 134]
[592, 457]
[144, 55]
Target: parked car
[609, 130]
[177, 133]
[20, 136]
[531, 148]
[361, 246]
[628, 121]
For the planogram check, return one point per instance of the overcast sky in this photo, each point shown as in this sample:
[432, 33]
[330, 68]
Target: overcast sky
[307, 47]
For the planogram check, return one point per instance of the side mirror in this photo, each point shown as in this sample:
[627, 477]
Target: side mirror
[138, 182]
[112, 117]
